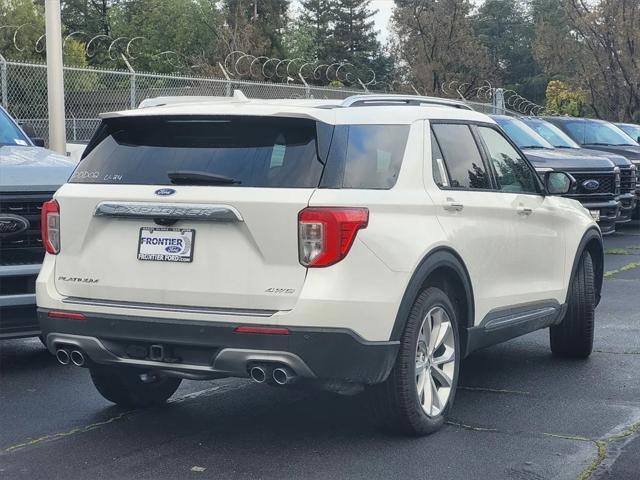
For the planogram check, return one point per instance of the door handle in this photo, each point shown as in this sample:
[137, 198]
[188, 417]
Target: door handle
[524, 211]
[453, 206]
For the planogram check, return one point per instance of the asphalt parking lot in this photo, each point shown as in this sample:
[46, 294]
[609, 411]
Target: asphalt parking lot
[519, 414]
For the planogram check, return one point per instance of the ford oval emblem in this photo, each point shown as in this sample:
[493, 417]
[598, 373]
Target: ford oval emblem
[591, 185]
[173, 249]
[165, 192]
[12, 225]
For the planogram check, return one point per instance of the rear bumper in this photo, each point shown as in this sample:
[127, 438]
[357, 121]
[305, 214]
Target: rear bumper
[201, 349]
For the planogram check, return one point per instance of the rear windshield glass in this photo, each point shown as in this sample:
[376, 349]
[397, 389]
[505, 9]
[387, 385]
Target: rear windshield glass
[229, 151]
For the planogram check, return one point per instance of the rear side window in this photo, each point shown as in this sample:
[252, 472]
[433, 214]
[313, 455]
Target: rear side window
[365, 156]
[461, 156]
[247, 151]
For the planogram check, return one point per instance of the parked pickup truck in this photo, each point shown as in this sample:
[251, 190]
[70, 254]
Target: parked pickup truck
[30, 175]
[628, 171]
[604, 136]
[598, 179]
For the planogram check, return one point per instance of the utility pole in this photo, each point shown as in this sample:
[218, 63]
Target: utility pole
[55, 77]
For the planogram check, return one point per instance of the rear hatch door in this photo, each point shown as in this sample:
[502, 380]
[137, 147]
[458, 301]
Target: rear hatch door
[196, 212]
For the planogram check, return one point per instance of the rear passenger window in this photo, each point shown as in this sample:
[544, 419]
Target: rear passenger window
[365, 156]
[461, 156]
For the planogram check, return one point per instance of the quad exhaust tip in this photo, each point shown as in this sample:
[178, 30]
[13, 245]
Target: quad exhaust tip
[77, 357]
[258, 374]
[62, 356]
[283, 376]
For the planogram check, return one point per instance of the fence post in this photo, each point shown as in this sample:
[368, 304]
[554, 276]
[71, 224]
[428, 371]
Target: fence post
[307, 89]
[132, 81]
[3, 82]
[227, 92]
[498, 101]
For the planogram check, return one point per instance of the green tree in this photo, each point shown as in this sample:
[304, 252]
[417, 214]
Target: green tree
[170, 35]
[436, 45]
[507, 32]
[315, 22]
[21, 25]
[563, 100]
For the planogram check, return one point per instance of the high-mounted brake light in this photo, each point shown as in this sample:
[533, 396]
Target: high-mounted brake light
[50, 227]
[325, 234]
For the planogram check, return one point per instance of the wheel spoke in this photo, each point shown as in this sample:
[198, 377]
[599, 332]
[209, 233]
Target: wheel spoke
[427, 393]
[436, 324]
[420, 366]
[448, 356]
[443, 378]
[445, 329]
[435, 398]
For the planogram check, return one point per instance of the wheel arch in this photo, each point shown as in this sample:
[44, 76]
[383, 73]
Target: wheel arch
[441, 267]
[591, 242]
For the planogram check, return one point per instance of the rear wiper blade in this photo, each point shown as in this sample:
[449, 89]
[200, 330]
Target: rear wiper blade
[189, 177]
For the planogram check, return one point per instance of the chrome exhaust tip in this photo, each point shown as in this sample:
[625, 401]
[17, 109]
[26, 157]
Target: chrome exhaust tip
[77, 357]
[62, 356]
[258, 374]
[283, 376]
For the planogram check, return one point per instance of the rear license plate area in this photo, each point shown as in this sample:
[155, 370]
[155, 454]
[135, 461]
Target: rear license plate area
[166, 244]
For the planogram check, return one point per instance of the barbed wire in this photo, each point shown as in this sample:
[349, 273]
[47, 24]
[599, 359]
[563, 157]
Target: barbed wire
[512, 100]
[237, 64]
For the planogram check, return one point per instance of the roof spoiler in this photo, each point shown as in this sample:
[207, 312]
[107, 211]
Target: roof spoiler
[237, 97]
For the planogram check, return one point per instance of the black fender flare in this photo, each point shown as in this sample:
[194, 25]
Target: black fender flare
[597, 255]
[436, 258]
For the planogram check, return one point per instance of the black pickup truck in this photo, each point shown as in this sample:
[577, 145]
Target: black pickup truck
[605, 137]
[598, 179]
[628, 171]
[30, 176]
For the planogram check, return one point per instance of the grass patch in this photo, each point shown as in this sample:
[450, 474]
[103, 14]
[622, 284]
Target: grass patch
[625, 268]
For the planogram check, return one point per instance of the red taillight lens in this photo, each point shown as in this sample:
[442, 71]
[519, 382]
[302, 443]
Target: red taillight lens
[325, 234]
[66, 315]
[263, 330]
[50, 227]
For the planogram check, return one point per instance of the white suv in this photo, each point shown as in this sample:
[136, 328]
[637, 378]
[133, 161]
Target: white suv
[366, 244]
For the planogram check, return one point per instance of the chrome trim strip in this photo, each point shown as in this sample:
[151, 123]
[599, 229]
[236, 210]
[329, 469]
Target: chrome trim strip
[508, 320]
[239, 312]
[174, 211]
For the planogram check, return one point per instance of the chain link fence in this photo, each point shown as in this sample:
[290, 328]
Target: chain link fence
[90, 91]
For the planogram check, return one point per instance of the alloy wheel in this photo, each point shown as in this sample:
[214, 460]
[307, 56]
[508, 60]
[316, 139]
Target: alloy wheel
[435, 361]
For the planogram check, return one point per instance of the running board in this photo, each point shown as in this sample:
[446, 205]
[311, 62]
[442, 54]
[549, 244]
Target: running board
[504, 324]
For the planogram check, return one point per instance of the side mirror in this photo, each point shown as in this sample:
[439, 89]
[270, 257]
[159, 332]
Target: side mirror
[31, 133]
[559, 183]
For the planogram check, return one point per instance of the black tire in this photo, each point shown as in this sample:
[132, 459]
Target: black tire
[573, 337]
[395, 402]
[123, 386]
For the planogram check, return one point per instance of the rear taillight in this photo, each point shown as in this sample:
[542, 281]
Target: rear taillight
[51, 227]
[325, 234]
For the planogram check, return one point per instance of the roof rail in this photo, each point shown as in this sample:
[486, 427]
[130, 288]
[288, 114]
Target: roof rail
[391, 99]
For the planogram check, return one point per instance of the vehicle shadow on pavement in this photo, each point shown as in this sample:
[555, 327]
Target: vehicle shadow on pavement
[23, 356]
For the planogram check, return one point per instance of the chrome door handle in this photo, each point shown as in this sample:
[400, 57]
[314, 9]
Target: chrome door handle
[525, 211]
[453, 206]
